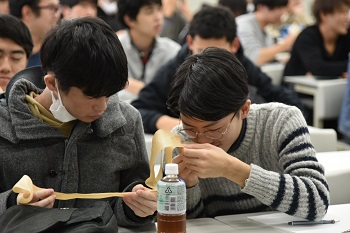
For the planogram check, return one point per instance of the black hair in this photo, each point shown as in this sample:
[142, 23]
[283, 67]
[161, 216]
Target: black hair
[85, 53]
[72, 3]
[14, 29]
[271, 4]
[209, 86]
[213, 22]
[326, 6]
[238, 7]
[17, 5]
[131, 8]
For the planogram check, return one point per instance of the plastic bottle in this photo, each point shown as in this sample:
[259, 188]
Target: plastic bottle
[171, 202]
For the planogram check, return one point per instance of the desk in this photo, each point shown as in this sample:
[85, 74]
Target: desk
[276, 222]
[337, 171]
[200, 225]
[328, 95]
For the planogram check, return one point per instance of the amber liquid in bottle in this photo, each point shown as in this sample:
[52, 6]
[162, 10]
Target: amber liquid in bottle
[171, 217]
[171, 223]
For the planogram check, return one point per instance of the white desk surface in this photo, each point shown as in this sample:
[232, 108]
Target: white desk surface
[273, 222]
[312, 82]
[200, 225]
[337, 171]
[328, 95]
[264, 222]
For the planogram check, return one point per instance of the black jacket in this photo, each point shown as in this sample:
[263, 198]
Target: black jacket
[151, 101]
[309, 55]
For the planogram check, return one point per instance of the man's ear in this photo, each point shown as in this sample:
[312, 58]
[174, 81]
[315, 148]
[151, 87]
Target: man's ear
[245, 109]
[129, 21]
[49, 80]
[235, 45]
[189, 41]
[27, 14]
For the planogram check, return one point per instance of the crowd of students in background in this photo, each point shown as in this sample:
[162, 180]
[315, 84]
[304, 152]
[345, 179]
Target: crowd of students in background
[165, 66]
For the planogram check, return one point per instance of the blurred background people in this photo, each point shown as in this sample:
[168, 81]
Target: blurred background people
[15, 47]
[174, 18]
[145, 50]
[78, 8]
[210, 27]
[39, 16]
[259, 46]
[322, 49]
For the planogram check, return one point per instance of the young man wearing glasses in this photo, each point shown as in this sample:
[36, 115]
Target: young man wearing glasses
[258, 157]
[39, 16]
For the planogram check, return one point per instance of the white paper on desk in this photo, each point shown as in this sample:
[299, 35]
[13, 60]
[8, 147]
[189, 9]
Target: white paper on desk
[280, 221]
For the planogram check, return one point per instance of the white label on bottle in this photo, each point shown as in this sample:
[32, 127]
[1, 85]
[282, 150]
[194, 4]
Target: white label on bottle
[171, 197]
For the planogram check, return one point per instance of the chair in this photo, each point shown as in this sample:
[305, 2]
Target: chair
[323, 139]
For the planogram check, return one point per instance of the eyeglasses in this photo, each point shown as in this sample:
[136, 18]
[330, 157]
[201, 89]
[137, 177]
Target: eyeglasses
[52, 8]
[211, 134]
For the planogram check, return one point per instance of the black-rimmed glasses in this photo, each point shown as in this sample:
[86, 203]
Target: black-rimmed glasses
[51, 7]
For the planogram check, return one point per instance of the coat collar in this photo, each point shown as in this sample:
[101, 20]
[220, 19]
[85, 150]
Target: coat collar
[25, 126]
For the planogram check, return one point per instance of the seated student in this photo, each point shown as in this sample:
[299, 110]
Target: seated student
[258, 156]
[322, 49]
[15, 47]
[76, 136]
[145, 50]
[211, 26]
[78, 8]
[259, 46]
[296, 18]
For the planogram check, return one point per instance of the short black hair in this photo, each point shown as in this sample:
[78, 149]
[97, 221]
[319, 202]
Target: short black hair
[17, 5]
[213, 22]
[87, 54]
[72, 3]
[14, 29]
[326, 6]
[271, 4]
[131, 8]
[209, 86]
[238, 7]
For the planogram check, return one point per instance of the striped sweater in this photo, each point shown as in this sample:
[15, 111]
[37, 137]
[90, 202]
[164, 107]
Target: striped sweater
[285, 174]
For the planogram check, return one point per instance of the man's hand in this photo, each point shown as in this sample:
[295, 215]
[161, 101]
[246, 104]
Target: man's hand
[43, 198]
[142, 200]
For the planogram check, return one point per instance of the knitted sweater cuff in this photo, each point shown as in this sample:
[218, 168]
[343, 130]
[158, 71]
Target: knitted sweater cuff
[262, 184]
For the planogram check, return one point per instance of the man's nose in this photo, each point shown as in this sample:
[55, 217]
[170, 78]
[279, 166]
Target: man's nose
[101, 104]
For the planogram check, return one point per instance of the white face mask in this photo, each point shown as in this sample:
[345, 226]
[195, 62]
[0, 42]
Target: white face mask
[58, 110]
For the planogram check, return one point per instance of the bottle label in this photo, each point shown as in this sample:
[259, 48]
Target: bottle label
[171, 197]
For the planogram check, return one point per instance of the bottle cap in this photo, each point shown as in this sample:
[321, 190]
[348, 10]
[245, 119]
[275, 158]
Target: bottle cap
[171, 169]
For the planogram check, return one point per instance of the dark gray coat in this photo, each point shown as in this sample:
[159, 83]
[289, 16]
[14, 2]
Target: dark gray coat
[107, 155]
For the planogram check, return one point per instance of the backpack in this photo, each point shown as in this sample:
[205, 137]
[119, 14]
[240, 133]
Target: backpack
[98, 218]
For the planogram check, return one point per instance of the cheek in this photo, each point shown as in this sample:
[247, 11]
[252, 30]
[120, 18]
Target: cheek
[19, 66]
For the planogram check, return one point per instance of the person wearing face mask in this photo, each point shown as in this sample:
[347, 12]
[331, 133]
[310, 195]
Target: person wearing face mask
[75, 136]
[244, 157]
